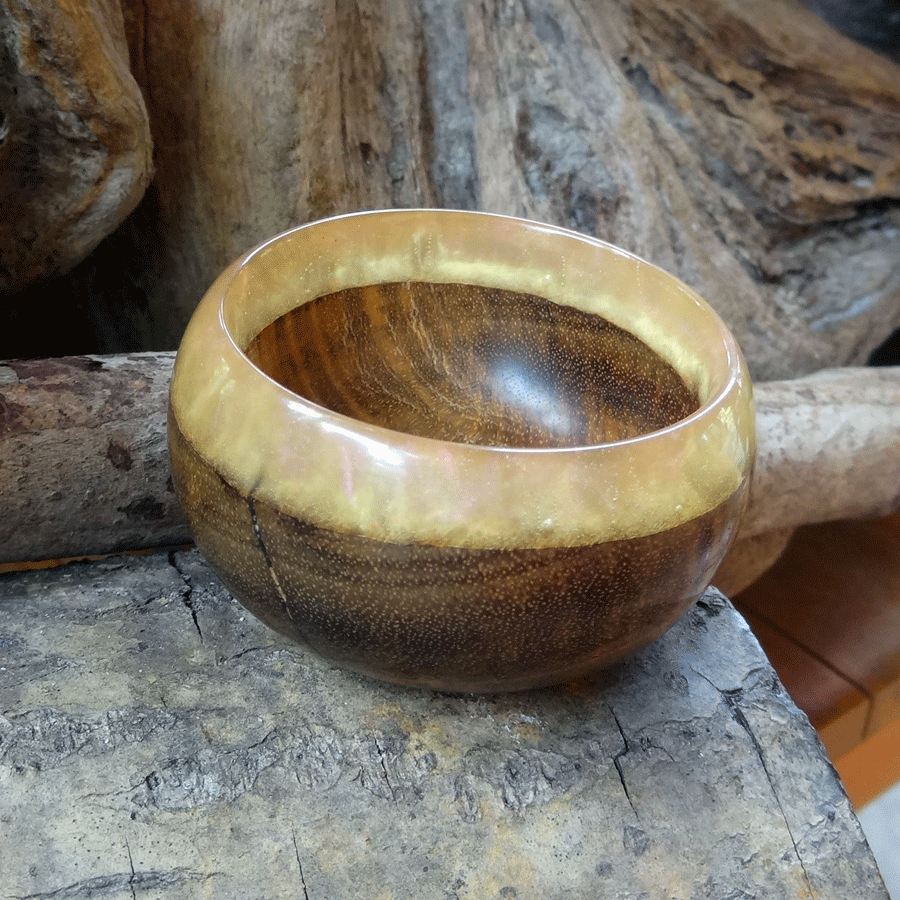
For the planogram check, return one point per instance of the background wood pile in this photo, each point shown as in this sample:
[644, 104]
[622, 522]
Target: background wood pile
[746, 146]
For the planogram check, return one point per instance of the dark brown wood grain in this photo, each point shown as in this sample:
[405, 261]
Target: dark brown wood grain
[472, 364]
[452, 618]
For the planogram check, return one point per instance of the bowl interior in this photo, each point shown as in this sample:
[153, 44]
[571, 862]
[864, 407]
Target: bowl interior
[472, 364]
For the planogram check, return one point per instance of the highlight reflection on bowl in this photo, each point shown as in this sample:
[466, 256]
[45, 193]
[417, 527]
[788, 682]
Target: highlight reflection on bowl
[457, 450]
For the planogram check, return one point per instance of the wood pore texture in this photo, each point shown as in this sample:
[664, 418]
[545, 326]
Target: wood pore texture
[474, 365]
[828, 616]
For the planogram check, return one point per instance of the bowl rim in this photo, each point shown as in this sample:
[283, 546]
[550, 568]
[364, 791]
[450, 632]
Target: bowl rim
[729, 343]
[365, 478]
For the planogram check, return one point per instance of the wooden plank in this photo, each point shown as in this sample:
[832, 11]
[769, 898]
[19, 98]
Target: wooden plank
[156, 740]
[872, 767]
[836, 708]
[836, 592]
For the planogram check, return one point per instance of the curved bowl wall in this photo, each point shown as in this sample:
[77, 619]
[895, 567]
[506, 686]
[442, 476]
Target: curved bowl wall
[458, 450]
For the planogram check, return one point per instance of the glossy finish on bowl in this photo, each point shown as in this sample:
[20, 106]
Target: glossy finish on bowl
[473, 365]
[457, 450]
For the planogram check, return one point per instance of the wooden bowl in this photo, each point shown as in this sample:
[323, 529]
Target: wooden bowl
[458, 450]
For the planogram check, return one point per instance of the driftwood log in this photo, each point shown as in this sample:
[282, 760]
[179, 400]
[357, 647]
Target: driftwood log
[829, 449]
[157, 741]
[83, 458]
[75, 151]
[744, 145]
[829, 446]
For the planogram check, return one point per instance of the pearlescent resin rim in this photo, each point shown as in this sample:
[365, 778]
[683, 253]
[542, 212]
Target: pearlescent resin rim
[354, 477]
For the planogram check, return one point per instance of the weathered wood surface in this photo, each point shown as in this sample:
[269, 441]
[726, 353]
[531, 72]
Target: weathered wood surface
[829, 449]
[743, 145]
[157, 741]
[829, 446]
[75, 149]
[84, 466]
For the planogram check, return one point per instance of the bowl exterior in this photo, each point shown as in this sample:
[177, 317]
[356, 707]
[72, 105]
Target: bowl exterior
[443, 617]
[452, 565]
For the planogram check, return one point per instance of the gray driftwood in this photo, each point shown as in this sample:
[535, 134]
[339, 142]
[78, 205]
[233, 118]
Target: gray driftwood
[84, 462]
[156, 741]
[829, 448]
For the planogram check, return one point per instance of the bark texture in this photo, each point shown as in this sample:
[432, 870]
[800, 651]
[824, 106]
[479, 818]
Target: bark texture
[829, 449]
[156, 741]
[747, 147]
[829, 446]
[83, 457]
[75, 151]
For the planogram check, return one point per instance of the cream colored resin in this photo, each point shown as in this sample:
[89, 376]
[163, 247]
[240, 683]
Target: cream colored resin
[336, 472]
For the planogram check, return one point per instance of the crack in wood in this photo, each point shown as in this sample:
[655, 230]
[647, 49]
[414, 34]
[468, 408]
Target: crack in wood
[245, 652]
[384, 770]
[731, 699]
[257, 531]
[617, 760]
[187, 595]
[131, 866]
[299, 865]
[649, 744]
[272, 734]
[111, 884]
[106, 795]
